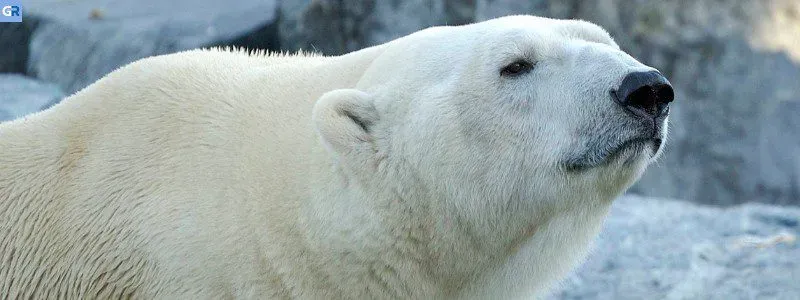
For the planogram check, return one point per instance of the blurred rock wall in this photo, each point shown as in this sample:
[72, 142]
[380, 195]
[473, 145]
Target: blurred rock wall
[735, 64]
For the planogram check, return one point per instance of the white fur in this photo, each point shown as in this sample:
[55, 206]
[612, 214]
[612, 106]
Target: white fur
[419, 173]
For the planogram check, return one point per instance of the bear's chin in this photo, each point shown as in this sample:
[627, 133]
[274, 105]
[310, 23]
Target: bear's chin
[630, 153]
[634, 151]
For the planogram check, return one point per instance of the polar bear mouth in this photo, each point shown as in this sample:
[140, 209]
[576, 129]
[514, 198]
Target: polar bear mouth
[630, 150]
[636, 145]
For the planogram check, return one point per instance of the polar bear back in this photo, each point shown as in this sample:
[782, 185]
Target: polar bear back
[95, 180]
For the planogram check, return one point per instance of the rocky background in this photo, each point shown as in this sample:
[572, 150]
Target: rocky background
[734, 138]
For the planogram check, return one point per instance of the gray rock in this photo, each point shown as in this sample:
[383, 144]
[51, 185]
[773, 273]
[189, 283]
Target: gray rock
[335, 27]
[77, 42]
[488, 9]
[22, 95]
[330, 27]
[659, 249]
[15, 38]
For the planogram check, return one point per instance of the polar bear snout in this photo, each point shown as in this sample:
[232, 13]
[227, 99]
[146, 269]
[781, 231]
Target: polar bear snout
[645, 94]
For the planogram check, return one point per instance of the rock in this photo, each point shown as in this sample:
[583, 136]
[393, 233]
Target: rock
[22, 95]
[659, 249]
[488, 9]
[15, 38]
[77, 42]
[336, 27]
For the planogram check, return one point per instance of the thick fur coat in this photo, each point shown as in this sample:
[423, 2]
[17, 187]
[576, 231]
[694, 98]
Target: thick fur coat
[420, 168]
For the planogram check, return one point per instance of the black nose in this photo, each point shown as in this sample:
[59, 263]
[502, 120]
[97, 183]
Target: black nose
[645, 94]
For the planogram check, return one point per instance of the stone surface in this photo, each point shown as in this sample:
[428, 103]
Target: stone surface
[77, 42]
[659, 249]
[22, 95]
[15, 38]
[336, 27]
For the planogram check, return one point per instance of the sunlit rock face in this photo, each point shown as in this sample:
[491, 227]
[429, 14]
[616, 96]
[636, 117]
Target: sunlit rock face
[74, 43]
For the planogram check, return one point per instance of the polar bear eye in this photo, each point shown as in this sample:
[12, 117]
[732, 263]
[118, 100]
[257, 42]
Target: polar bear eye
[516, 68]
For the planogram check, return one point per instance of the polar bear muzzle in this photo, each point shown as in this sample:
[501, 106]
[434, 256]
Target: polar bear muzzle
[643, 99]
[646, 95]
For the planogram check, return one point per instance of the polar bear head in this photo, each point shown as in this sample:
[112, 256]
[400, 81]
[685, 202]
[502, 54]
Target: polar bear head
[499, 123]
[518, 108]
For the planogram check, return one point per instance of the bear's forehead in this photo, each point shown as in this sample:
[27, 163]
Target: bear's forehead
[516, 27]
[468, 51]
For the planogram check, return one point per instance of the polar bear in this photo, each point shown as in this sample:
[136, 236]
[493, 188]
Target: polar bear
[474, 161]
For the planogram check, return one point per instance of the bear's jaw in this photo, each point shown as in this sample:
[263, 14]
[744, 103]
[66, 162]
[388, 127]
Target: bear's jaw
[628, 153]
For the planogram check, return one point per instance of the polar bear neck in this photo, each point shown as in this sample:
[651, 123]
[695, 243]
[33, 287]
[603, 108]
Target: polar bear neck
[405, 245]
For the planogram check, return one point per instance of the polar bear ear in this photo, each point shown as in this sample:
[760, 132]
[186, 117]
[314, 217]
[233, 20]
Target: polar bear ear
[343, 119]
